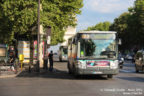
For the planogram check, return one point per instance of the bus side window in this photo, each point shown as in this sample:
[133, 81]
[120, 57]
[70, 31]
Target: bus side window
[70, 46]
[74, 41]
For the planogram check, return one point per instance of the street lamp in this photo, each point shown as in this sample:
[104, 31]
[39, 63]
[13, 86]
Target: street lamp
[38, 38]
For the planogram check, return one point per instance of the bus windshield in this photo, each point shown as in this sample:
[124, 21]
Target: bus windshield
[65, 51]
[101, 45]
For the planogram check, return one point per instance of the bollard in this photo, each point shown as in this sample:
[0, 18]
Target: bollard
[21, 58]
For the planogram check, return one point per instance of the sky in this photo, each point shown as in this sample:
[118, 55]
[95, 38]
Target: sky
[95, 11]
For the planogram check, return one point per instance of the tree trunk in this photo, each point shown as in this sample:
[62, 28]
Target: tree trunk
[31, 53]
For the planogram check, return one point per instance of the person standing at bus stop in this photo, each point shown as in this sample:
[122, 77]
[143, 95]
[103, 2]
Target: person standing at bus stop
[12, 60]
[51, 60]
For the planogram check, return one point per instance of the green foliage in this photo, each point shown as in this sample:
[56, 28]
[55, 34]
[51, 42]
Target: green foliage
[121, 25]
[139, 17]
[102, 26]
[20, 16]
[130, 26]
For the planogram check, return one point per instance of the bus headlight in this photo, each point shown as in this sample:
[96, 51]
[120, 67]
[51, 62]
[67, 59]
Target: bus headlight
[114, 64]
[81, 65]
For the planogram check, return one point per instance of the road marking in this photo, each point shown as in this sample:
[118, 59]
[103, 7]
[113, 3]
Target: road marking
[127, 71]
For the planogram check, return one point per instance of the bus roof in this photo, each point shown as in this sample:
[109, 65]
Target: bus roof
[97, 32]
[93, 31]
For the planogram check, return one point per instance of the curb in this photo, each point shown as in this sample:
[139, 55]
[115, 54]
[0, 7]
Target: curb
[15, 75]
[8, 76]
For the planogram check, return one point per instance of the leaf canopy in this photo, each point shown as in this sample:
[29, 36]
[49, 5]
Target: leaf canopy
[20, 16]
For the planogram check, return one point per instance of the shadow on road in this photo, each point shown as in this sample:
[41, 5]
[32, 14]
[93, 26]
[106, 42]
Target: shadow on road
[129, 65]
[135, 79]
[57, 74]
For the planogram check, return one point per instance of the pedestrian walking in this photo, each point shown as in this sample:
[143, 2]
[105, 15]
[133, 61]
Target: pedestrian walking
[51, 60]
[12, 60]
[45, 62]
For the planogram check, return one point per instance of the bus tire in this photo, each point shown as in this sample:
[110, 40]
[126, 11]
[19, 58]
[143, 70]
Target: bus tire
[60, 59]
[76, 76]
[110, 76]
[69, 70]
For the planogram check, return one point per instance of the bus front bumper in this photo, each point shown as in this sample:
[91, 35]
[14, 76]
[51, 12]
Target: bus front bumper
[97, 71]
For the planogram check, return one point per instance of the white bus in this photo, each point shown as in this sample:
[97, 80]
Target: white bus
[63, 53]
[93, 52]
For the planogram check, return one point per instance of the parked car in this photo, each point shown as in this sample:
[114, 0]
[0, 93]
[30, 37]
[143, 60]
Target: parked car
[129, 57]
[139, 61]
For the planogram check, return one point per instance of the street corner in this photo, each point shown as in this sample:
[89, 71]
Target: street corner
[8, 76]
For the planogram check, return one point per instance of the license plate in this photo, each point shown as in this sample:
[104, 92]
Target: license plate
[97, 72]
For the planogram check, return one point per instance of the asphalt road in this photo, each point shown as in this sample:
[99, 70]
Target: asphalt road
[60, 83]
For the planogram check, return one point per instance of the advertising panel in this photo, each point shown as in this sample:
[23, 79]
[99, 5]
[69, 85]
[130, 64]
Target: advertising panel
[24, 48]
[2, 52]
[35, 49]
[97, 63]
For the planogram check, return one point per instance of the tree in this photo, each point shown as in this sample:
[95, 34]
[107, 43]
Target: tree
[20, 16]
[121, 25]
[130, 26]
[102, 26]
[139, 15]
[17, 17]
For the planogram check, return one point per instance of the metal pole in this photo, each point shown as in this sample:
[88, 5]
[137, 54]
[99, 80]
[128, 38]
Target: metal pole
[38, 37]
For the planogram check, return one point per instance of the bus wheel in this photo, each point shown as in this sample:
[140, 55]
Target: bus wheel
[60, 59]
[69, 71]
[110, 76]
[76, 76]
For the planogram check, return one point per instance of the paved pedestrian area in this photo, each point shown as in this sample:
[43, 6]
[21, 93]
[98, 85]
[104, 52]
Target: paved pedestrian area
[5, 72]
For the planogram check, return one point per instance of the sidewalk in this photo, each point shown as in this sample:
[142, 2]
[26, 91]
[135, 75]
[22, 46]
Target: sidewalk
[5, 72]
[9, 75]
[59, 71]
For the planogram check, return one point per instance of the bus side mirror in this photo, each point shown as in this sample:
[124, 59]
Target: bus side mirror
[119, 41]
